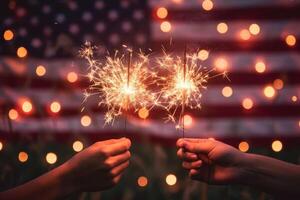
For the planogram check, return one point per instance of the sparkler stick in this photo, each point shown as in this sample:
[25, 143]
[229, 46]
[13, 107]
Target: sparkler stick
[183, 92]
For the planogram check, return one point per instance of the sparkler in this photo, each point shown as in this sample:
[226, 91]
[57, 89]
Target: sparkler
[119, 85]
[183, 84]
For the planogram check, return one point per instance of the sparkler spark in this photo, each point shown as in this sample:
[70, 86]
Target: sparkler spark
[120, 84]
[183, 84]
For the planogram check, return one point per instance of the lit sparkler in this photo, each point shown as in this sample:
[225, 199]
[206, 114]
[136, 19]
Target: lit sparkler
[120, 84]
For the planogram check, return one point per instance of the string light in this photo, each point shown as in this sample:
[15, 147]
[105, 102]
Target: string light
[222, 28]
[13, 114]
[247, 103]
[269, 91]
[165, 26]
[221, 64]
[162, 12]
[244, 146]
[277, 145]
[188, 120]
[40, 70]
[171, 179]
[245, 34]
[254, 29]
[72, 77]
[21, 52]
[55, 107]
[142, 181]
[207, 5]
[27, 106]
[51, 158]
[294, 98]
[227, 91]
[290, 40]
[278, 84]
[8, 35]
[77, 146]
[203, 54]
[86, 120]
[23, 156]
[260, 67]
[1, 145]
[143, 113]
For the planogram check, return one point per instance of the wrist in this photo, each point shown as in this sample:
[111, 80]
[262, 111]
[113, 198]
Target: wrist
[246, 171]
[66, 180]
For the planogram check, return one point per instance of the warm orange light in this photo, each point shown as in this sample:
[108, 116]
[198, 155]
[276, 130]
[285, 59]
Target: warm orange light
[86, 120]
[203, 54]
[51, 158]
[13, 114]
[247, 103]
[142, 181]
[221, 64]
[171, 179]
[27, 106]
[277, 145]
[245, 34]
[177, 1]
[188, 120]
[8, 35]
[299, 123]
[21, 52]
[244, 146]
[23, 156]
[1, 146]
[290, 40]
[278, 84]
[77, 146]
[143, 113]
[207, 5]
[260, 67]
[72, 77]
[294, 98]
[254, 29]
[165, 26]
[227, 91]
[269, 91]
[40, 70]
[222, 28]
[162, 12]
[55, 107]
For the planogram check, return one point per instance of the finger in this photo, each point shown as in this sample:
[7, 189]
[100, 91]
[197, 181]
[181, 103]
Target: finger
[202, 146]
[114, 161]
[187, 156]
[119, 169]
[117, 148]
[192, 165]
[199, 174]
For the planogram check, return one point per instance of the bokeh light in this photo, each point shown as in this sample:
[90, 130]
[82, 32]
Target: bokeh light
[8, 35]
[27, 106]
[86, 120]
[221, 64]
[260, 67]
[51, 158]
[244, 146]
[143, 113]
[207, 5]
[77, 146]
[21, 52]
[294, 98]
[278, 84]
[165, 26]
[188, 120]
[254, 29]
[1, 145]
[203, 54]
[171, 179]
[40, 70]
[247, 103]
[222, 28]
[13, 114]
[142, 181]
[55, 107]
[269, 91]
[72, 77]
[227, 91]
[277, 145]
[245, 34]
[23, 156]
[290, 40]
[162, 12]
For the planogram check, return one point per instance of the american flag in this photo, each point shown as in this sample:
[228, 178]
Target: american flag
[42, 79]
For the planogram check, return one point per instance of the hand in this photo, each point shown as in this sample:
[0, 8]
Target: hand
[99, 166]
[210, 161]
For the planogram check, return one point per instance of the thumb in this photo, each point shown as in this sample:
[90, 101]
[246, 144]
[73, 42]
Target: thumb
[203, 146]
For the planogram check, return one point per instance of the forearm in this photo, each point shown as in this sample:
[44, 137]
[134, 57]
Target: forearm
[271, 175]
[52, 185]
